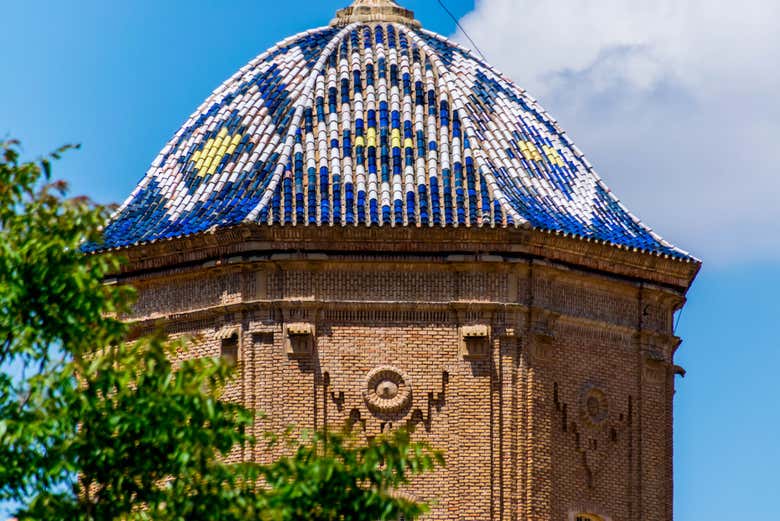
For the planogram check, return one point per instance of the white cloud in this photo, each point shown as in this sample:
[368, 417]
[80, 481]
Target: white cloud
[676, 102]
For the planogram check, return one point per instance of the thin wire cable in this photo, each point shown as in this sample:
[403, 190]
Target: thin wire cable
[476, 47]
[677, 322]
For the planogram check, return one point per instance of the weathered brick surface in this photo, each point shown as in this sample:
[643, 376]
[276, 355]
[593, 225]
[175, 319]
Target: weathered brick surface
[570, 412]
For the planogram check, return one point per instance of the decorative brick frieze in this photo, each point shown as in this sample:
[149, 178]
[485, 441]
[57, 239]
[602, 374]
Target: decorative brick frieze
[187, 294]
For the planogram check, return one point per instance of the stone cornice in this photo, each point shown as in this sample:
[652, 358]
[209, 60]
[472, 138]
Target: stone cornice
[250, 242]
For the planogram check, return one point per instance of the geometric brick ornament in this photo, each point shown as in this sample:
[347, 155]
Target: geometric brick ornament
[387, 390]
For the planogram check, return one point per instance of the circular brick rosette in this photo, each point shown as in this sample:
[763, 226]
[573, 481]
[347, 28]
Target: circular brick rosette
[387, 390]
[594, 406]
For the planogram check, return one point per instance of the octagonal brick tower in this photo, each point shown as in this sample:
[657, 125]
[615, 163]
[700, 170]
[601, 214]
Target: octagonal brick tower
[386, 232]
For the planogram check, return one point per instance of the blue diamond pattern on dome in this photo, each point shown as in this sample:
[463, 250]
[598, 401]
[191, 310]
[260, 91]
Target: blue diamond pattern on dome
[374, 124]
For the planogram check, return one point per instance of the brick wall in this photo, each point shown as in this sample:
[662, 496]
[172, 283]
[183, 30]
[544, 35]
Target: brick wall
[570, 411]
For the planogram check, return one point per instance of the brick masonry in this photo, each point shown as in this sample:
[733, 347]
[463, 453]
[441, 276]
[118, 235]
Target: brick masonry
[547, 383]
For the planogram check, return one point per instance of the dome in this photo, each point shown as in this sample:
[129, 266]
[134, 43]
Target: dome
[373, 121]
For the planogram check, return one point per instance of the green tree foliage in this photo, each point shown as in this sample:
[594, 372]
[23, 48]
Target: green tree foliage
[94, 427]
[337, 478]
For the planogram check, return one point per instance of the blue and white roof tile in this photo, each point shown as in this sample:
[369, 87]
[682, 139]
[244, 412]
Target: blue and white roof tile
[375, 124]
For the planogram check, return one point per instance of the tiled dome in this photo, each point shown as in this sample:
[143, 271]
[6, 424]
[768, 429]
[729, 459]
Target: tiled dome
[373, 123]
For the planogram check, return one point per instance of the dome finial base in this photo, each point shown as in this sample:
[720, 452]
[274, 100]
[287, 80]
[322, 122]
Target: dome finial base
[374, 11]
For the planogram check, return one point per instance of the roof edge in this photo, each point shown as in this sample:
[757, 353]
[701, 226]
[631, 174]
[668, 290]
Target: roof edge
[251, 238]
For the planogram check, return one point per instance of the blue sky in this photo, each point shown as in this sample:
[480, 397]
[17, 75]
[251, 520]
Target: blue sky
[674, 102]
